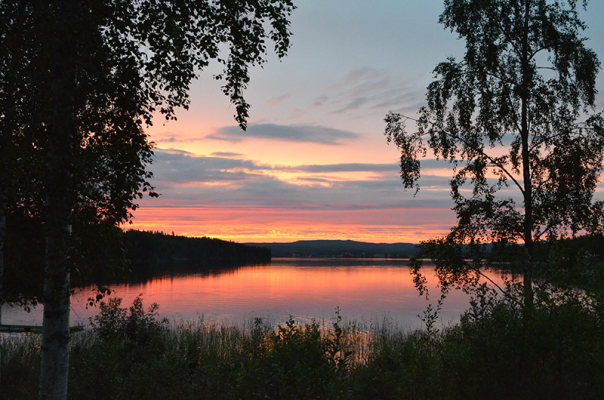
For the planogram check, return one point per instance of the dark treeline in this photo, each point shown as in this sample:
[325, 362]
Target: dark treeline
[566, 252]
[156, 253]
[159, 247]
[589, 244]
[106, 254]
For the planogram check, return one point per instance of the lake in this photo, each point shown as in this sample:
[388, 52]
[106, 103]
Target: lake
[366, 290]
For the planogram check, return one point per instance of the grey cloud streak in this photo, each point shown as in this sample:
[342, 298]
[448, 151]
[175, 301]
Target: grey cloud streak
[182, 167]
[289, 133]
[192, 180]
[226, 154]
[426, 164]
[350, 167]
[375, 90]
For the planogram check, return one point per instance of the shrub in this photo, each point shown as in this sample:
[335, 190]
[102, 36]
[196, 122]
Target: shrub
[114, 322]
[294, 362]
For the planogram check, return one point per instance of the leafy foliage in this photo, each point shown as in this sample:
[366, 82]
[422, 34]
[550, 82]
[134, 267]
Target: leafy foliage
[78, 80]
[113, 65]
[477, 105]
[515, 117]
[117, 323]
[297, 362]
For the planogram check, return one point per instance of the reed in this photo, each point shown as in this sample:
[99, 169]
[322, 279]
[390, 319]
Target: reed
[489, 354]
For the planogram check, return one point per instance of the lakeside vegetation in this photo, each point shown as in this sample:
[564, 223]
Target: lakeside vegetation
[497, 351]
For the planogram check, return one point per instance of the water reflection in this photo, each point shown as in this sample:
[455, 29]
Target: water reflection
[363, 290]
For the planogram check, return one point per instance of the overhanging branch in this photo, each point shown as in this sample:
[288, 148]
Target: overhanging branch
[481, 151]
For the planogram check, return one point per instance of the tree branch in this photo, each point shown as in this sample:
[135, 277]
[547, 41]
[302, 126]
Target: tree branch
[504, 292]
[540, 234]
[488, 157]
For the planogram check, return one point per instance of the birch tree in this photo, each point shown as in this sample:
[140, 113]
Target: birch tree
[90, 76]
[516, 119]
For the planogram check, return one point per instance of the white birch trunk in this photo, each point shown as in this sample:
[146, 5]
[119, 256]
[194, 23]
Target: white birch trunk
[62, 142]
[2, 238]
[55, 332]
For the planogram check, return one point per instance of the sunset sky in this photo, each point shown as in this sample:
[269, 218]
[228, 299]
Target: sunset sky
[314, 163]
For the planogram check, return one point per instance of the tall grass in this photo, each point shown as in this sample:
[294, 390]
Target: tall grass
[493, 353]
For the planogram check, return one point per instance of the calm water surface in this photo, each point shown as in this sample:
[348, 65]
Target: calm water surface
[365, 290]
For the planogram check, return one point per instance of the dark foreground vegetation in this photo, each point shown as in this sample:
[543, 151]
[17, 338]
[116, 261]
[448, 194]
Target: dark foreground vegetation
[499, 350]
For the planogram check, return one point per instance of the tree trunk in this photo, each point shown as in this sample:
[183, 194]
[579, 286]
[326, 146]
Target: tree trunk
[2, 241]
[528, 195]
[526, 169]
[61, 156]
[55, 332]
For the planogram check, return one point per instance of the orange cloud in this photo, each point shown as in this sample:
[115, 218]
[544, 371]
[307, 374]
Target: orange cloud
[263, 224]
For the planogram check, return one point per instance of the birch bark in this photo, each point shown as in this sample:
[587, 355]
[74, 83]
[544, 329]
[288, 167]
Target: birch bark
[2, 231]
[62, 148]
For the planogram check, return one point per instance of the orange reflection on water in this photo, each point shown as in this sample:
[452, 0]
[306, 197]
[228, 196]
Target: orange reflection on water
[364, 290]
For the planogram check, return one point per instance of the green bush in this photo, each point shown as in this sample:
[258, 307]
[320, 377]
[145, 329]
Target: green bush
[294, 362]
[549, 351]
[133, 323]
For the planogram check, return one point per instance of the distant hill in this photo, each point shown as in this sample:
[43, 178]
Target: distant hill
[338, 248]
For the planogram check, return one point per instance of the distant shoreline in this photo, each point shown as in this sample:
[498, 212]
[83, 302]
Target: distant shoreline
[339, 249]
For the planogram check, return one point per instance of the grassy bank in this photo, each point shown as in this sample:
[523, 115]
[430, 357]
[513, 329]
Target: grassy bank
[556, 352]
